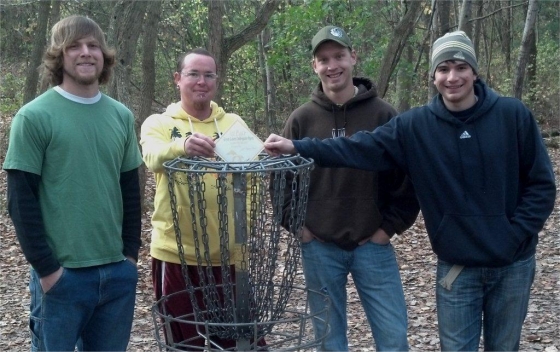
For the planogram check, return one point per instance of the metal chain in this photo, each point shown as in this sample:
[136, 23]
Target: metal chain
[178, 236]
[264, 244]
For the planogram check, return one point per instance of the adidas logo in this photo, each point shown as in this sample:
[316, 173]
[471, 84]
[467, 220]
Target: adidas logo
[465, 135]
[459, 55]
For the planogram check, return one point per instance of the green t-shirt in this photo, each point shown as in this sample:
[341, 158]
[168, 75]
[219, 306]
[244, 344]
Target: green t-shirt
[79, 150]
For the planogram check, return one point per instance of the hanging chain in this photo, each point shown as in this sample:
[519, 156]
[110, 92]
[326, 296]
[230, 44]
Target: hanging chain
[265, 255]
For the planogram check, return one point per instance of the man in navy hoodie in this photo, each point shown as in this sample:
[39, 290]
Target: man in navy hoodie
[485, 186]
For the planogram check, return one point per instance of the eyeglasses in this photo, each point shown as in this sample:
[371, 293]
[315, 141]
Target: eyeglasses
[195, 76]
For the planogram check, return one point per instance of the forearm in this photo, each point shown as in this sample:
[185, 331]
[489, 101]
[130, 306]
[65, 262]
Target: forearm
[132, 213]
[25, 212]
[538, 187]
[536, 204]
[156, 153]
[360, 151]
[400, 206]
[157, 147]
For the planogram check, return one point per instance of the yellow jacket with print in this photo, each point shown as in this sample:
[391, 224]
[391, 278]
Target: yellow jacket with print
[162, 139]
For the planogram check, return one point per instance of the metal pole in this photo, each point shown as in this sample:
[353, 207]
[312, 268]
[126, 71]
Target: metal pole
[242, 288]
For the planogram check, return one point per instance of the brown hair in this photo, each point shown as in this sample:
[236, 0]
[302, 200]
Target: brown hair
[198, 51]
[64, 33]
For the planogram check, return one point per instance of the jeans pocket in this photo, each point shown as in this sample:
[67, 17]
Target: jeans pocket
[135, 266]
[379, 244]
[526, 261]
[128, 272]
[35, 327]
[308, 242]
[57, 285]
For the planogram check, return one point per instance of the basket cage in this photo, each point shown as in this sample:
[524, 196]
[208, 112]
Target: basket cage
[259, 206]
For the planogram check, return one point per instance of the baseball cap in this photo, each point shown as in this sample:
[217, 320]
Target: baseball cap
[327, 33]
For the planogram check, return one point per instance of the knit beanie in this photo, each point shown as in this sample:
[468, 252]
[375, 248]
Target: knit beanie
[327, 33]
[453, 46]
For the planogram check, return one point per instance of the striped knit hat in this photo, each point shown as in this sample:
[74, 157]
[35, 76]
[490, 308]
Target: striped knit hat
[453, 46]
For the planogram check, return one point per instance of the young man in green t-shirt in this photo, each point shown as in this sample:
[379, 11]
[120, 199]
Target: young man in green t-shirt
[74, 197]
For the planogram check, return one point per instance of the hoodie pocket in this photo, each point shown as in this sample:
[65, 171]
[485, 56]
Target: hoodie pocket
[476, 240]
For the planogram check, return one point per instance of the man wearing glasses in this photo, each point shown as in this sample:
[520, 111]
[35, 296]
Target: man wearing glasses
[187, 128]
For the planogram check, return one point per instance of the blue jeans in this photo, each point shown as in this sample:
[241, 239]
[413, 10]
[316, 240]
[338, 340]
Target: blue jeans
[91, 308]
[492, 299]
[376, 275]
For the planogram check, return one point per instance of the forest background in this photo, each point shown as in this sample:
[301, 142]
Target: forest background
[263, 50]
[263, 53]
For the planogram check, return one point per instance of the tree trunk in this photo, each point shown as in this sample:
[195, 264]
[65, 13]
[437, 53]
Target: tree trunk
[216, 42]
[525, 49]
[264, 80]
[396, 45]
[126, 23]
[506, 34]
[223, 47]
[465, 16]
[442, 10]
[54, 17]
[149, 48]
[268, 79]
[40, 35]
[477, 26]
[55, 12]
[489, 51]
[532, 67]
[404, 82]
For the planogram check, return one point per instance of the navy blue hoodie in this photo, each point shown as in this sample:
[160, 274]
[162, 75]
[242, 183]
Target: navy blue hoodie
[485, 182]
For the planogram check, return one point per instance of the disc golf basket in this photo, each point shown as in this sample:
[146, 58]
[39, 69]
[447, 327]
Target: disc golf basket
[258, 262]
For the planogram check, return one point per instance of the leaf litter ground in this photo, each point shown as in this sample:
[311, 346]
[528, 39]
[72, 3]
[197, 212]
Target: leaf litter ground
[417, 264]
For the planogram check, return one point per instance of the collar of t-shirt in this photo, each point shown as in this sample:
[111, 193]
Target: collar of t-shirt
[465, 114]
[76, 98]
